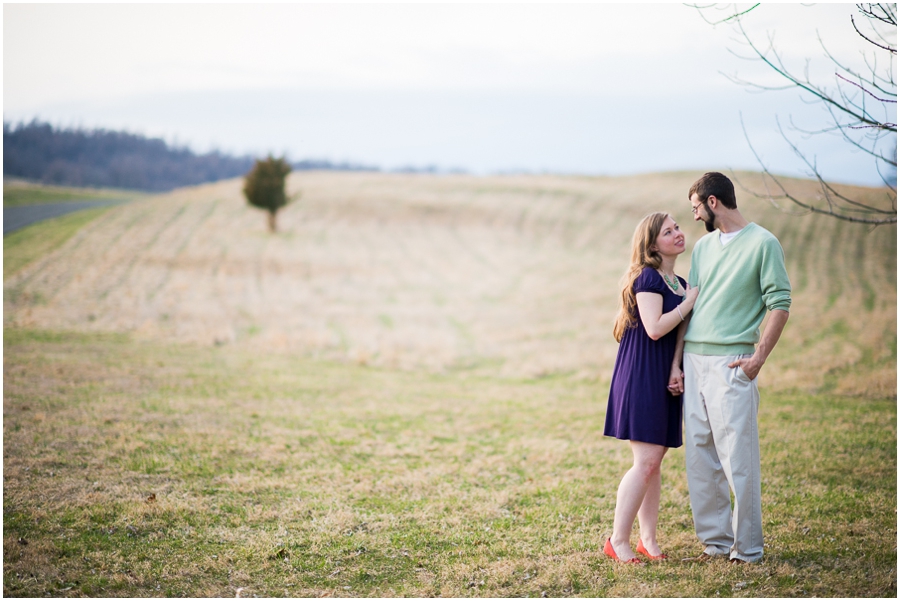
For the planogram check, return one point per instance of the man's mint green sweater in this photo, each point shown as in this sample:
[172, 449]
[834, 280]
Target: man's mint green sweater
[738, 283]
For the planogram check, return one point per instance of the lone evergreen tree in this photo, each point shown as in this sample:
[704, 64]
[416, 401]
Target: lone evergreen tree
[264, 186]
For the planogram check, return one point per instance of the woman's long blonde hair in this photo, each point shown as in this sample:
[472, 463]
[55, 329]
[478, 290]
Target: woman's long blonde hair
[645, 235]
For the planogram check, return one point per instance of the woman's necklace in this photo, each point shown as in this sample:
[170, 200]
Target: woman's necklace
[672, 285]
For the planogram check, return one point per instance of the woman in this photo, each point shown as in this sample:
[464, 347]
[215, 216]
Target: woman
[645, 394]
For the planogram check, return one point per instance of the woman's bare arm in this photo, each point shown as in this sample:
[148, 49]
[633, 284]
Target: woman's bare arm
[656, 323]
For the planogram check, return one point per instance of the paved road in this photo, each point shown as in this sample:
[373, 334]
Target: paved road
[15, 218]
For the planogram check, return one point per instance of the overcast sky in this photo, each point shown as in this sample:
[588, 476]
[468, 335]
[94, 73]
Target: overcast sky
[579, 88]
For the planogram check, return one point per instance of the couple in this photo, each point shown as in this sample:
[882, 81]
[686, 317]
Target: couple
[710, 324]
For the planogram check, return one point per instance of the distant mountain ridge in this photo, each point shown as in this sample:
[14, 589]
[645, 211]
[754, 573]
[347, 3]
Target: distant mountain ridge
[102, 158]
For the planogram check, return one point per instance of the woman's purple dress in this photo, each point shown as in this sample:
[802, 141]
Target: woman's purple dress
[640, 407]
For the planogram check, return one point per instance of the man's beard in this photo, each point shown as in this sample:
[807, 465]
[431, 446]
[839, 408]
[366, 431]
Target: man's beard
[709, 221]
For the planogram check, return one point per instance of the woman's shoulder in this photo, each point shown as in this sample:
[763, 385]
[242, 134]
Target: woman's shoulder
[649, 273]
[648, 281]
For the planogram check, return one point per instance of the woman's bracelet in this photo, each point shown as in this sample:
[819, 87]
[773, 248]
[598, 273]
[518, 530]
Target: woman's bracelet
[678, 308]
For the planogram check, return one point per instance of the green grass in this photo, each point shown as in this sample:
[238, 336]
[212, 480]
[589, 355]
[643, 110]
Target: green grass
[139, 469]
[17, 193]
[287, 477]
[37, 240]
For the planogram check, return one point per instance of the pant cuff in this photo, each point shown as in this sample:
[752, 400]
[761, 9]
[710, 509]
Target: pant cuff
[747, 558]
[715, 551]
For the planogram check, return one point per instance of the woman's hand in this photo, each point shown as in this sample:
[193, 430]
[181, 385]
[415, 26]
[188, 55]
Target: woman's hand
[690, 297]
[676, 381]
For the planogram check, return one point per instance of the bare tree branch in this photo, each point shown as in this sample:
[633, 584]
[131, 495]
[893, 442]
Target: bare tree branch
[863, 36]
[830, 196]
[803, 84]
[863, 112]
[725, 20]
[853, 83]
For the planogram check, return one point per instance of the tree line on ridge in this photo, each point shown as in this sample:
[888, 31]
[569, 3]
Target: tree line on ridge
[102, 158]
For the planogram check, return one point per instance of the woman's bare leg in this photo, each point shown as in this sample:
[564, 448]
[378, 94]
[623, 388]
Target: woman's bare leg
[648, 514]
[632, 490]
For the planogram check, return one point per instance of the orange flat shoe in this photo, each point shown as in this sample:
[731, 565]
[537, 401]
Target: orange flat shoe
[643, 551]
[608, 549]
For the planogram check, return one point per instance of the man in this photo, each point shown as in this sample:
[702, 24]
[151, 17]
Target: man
[739, 268]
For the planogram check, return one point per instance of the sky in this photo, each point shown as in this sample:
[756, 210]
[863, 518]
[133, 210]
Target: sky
[589, 88]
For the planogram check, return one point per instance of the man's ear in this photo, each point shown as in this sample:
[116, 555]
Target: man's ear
[712, 201]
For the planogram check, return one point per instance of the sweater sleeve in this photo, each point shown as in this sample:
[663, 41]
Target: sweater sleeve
[773, 277]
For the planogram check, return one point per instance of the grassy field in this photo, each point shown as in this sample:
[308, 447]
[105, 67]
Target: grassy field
[17, 193]
[403, 393]
[29, 244]
[25, 246]
[510, 276]
[139, 469]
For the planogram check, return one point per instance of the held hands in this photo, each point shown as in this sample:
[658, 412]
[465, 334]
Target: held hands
[676, 381]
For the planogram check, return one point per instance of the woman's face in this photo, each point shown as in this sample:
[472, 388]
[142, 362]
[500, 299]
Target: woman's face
[670, 241]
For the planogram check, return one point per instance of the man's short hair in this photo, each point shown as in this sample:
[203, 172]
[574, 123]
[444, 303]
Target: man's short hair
[714, 184]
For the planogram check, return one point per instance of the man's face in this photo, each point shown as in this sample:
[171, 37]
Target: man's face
[701, 212]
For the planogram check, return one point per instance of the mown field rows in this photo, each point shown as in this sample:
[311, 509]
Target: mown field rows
[402, 394]
[513, 276]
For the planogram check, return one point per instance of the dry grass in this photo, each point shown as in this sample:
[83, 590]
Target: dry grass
[27, 245]
[402, 394]
[287, 477]
[513, 276]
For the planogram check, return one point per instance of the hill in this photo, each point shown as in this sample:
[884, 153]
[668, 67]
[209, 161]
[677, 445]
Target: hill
[512, 275]
[403, 395]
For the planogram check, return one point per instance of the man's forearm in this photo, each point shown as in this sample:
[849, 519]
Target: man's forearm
[774, 327]
[751, 365]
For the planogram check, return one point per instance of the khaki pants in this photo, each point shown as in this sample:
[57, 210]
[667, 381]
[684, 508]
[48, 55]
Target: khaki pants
[722, 453]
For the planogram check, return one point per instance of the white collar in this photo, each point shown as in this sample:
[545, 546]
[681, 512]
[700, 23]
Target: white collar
[726, 238]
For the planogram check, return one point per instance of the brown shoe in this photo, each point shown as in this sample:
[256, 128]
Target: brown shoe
[736, 560]
[699, 559]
